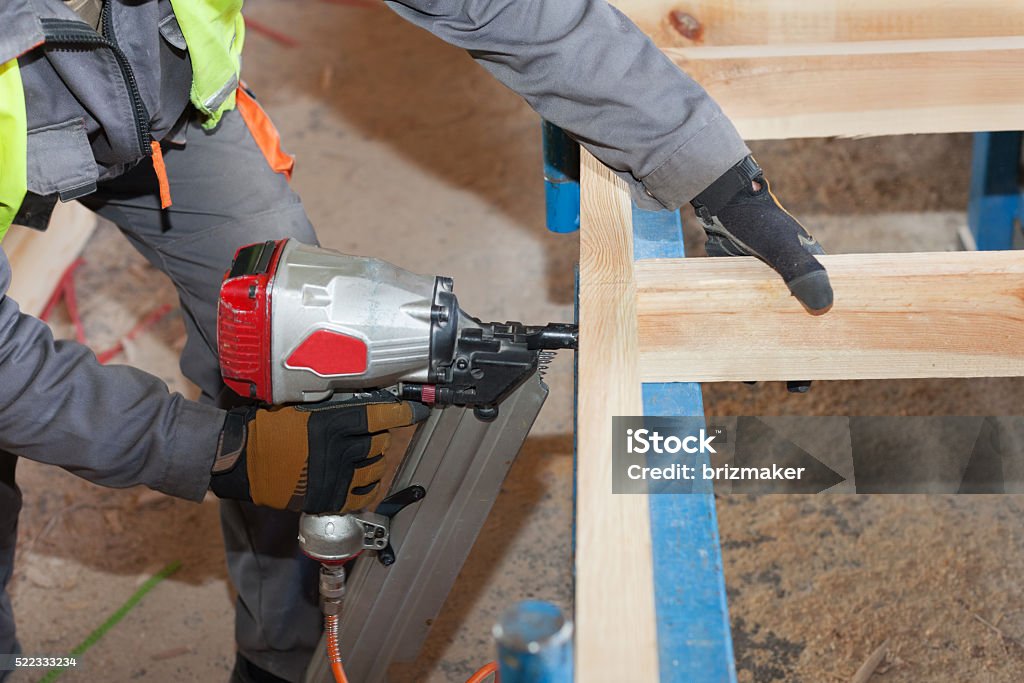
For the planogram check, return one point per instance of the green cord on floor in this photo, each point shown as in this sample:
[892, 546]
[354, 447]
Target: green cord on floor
[114, 618]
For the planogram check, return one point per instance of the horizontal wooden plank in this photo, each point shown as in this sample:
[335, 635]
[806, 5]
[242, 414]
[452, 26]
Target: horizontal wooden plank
[861, 47]
[38, 259]
[950, 314]
[866, 94]
[764, 22]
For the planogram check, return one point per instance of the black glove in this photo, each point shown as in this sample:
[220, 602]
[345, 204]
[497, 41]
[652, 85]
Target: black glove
[743, 221]
[321, 457]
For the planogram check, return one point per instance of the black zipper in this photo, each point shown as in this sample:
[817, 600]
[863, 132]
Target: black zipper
[67, 32]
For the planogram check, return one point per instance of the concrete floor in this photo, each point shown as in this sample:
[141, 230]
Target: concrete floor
[410, 152]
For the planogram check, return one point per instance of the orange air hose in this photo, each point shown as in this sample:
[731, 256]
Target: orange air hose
[334, 656]
[483, 672]
[333, 651]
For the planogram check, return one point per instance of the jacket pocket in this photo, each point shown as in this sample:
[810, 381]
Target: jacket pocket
[60, 161]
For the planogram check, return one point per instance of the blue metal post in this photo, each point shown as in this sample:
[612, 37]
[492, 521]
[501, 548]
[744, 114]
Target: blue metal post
[534, 644]
[694, 636]
[994, 207]
[561, 179]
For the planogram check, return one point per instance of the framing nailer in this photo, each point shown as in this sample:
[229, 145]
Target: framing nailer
[303, 324]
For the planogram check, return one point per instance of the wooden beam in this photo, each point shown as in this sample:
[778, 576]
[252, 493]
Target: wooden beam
[616, 633]
[950, 314]
[38, 259]
[850, 68]
[946, 46]
[874, 93]
[606, 241]
[743, 22]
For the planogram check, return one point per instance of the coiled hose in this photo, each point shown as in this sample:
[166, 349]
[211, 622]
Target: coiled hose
[333, 651]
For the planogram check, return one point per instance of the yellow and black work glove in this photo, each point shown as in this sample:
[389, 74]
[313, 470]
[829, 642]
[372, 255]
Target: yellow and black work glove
[316, 458]
[742, 217]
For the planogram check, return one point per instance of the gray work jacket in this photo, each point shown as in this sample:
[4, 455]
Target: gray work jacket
[579, 63]
[93, 102]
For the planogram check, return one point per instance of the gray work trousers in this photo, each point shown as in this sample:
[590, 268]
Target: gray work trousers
[224, 195]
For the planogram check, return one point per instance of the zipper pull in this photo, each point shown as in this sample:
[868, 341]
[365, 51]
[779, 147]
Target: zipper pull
[161, 174]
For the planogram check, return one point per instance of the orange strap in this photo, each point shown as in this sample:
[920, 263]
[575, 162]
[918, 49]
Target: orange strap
[265, 134]
[161, 174]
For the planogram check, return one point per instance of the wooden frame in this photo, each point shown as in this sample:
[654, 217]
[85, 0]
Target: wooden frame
[668, 320]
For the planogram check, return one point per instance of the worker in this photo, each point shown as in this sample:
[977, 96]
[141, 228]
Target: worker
[133, 107]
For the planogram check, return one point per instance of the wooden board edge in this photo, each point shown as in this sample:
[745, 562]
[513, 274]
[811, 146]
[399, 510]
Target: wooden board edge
[616, 628]
[39, 259]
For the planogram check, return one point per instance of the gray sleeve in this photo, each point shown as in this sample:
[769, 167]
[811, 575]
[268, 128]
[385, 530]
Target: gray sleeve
[584, 66]
[113, 425]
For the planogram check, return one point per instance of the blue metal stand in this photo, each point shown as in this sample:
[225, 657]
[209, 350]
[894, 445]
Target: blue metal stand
[561, 179]
[694, 636]
[995, 205]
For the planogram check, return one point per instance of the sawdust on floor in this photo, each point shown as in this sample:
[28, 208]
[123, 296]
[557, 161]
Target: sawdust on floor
[817, 583]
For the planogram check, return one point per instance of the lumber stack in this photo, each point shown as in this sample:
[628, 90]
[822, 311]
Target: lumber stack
[785, 68]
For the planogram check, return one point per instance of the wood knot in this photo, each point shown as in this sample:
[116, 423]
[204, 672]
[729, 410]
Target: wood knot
[686, 25]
